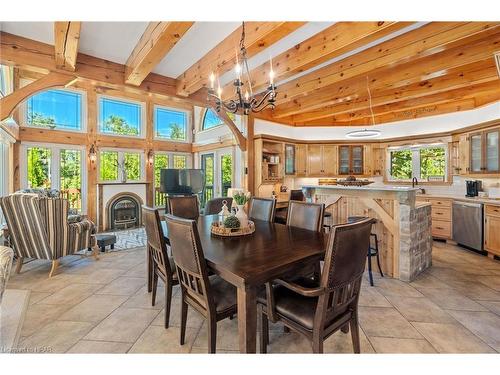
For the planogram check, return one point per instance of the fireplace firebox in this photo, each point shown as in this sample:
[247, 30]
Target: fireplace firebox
[124, 212]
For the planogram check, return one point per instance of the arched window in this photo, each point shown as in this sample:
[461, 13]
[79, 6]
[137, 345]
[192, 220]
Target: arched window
[211, 120]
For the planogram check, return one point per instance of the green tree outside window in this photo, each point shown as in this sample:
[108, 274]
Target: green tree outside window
[132, 166]
[108, 165]
[401, 165]
[118, 125]
[39, 168]
[432, 162]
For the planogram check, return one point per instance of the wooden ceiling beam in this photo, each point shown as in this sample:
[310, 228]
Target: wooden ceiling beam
[156, 41]
[66, 39]
[461, 80]
[334, 41]
[33, 55]
[429, 39]
[478, 95]
[222, 58]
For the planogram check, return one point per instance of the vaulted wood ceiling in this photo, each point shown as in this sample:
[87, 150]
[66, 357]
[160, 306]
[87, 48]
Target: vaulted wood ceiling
[411, 70]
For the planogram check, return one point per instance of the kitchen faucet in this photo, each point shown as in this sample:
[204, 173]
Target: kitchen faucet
[414, 182]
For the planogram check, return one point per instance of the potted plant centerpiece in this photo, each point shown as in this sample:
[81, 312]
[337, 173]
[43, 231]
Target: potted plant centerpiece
[241, 199]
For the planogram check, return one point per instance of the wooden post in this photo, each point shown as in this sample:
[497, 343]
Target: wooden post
[250, 155]
[150, 194]
[91, 166]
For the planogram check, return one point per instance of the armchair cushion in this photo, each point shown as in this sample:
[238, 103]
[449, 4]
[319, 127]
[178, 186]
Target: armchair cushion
[296, 307]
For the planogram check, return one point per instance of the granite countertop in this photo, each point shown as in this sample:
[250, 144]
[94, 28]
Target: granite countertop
[366, 187]
[491, 201]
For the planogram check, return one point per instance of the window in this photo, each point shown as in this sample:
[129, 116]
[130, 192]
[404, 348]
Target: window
[55, 109]
[426, 162]
[211, 120]
[5, 141]
[163, 161]
[120, 165]
[6, 80]
[60, 167]
[171, 124]
[120, 117]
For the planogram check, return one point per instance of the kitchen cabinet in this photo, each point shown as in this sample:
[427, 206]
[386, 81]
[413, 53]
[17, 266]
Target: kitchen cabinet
[440, 215]
[492, 229]
[321, 160]
[378, 161]
[485, 151]
[300, 160]
[351, 160]
[289, 159]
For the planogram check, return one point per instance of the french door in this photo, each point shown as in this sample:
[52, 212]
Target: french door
[60, 167]
[218, 168]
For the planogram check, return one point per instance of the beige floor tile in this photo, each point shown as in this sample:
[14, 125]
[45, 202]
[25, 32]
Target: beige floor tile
[475, 291]
[493, 306]
[451, 299]
[93, 309]
[99, 347]
[36, 297]
[142, 299]
[391, 345]
[393, 287]
[57, 337]
[370, 296]
[420, 310]
[125, 286]
[138, 271]
[385, 322]
[71, 294]
[492, 282]
[485, 325]
[426, 280]
[219, 351]
[452, 338]
[156, 339]
[39, 315]
[123, 325]
[99, 276]
[52, 285]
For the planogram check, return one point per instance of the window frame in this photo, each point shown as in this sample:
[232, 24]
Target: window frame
[121, 154]
[202, 129]
[6, 142]
[416, 162]
[142, 117]
[24, 109]
[56, 166]
[189, 132]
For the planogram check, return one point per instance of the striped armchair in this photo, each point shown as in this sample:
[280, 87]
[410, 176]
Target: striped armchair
[39, 229]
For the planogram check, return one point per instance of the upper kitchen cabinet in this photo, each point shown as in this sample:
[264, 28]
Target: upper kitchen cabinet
[290, 159]
[321, 160]
[351, 160]
[485, 151]
[300, 160]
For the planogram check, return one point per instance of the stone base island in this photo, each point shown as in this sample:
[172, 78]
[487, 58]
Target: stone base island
[403, 226]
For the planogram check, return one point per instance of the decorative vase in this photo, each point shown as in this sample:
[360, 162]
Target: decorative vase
[242, 216]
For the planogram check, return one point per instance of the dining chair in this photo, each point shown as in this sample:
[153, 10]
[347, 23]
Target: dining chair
[297, 195]
[262, 209]
[305, 215]
[214, 206]
[213, 297]
[186, 207]
[160, 265]
[317, 310]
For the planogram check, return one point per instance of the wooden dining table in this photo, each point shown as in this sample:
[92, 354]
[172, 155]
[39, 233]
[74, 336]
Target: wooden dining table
[248, 262]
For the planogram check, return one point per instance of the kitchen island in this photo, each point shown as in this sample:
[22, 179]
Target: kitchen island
[403, 226]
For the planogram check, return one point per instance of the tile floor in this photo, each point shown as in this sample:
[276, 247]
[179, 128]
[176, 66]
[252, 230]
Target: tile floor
[103, 307]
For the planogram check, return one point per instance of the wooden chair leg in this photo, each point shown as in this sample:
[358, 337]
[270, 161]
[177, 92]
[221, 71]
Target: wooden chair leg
[370, 275]
[317, 345]
[155, 285]
[184, 311]
[168, 302]
[286, 329]
[345, 328]
[355, 333]
[264, 331]
[212, 335]
[19, 264]
[149, 270]
[55, 264]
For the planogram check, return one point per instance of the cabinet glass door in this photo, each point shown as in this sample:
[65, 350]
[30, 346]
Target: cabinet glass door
[476, 153]
[289, 159]
[492, 158]
[344, 159]
[357, 159]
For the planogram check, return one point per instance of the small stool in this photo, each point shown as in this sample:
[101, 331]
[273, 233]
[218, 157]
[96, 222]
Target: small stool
[104, 240]
[372, 251]
[327, 215]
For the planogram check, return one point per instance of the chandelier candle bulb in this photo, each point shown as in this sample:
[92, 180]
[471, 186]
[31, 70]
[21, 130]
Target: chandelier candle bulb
[212, 80]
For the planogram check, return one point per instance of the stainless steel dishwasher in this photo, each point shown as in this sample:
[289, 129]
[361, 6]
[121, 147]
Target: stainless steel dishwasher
[468, 224]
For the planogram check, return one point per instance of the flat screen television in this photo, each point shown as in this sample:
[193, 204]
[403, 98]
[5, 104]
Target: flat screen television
[182, 181]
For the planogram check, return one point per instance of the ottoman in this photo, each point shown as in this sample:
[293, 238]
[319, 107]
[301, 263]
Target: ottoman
[104, 240]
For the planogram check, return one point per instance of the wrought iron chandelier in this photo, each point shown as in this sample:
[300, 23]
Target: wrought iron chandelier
[243, 102]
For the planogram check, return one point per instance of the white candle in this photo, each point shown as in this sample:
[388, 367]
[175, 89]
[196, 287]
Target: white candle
[271, 71]
[212, 80]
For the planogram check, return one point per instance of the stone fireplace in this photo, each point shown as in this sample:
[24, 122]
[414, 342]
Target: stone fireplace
[119, 205]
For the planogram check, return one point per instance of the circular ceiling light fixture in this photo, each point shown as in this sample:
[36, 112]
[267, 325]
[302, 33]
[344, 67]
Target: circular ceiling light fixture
[365, 133]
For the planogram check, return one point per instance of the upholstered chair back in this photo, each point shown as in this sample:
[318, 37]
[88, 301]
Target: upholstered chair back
[305, 215]
[262, 209]
[156, 240]
[185, 207]
[214, 206]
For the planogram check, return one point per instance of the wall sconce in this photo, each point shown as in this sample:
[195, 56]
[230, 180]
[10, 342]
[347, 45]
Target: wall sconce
[151, 156]
[92, 153]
